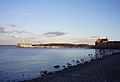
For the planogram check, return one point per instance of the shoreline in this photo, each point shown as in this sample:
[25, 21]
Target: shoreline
[106, 69]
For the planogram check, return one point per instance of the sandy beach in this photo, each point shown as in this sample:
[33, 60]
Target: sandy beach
[106, 69]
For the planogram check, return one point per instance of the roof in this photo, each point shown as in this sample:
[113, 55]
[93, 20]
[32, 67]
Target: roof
[101, 40]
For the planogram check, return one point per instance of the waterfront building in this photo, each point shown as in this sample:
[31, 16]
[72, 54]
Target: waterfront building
[104, 43]
[24, 45]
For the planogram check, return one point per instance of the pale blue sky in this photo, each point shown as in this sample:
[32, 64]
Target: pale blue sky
[73, 21]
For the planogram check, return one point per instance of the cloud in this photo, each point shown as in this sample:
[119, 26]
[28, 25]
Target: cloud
[95, 37]
[55, 34]
[82, 40]
[8, 25]
[2, 29]
[6, 31]
[19, 31]
[23, 14]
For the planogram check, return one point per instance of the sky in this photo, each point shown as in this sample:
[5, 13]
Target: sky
[59, 21]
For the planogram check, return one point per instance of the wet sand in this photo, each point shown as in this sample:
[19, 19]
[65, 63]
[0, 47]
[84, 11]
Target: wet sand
[106, 69]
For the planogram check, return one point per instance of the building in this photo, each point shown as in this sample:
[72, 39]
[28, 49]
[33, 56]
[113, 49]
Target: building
[99, 40]
[24, 45]
[105, 44]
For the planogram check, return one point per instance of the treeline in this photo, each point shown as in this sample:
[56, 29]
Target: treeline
[65, 45]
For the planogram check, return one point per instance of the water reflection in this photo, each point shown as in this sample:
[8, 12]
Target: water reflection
[99, 53]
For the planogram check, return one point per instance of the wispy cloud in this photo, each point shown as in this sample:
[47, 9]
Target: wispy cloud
[82, 40]
[19, 31]
[8, 25]
[57, 33]
[17, 34]
[5, 30]
[23, 14]
[94, 37]
[2, 29]
[12, 28]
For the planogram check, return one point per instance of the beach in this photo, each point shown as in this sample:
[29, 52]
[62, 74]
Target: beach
[106, 69]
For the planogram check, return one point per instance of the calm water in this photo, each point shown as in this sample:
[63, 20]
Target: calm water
[26, 63]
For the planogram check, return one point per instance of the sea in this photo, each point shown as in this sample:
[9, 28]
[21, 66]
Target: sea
[18, 64]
